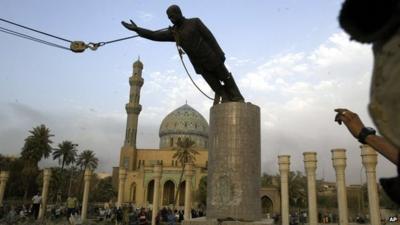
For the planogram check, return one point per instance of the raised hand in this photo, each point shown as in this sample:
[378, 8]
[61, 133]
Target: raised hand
[130, 26]
[350, 119]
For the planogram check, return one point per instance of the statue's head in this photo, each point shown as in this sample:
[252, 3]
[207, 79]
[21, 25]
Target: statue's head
[175, 14]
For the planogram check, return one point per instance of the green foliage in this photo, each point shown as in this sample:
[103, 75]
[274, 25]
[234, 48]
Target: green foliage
[185, 152]
[37, 144]
[103, 191]
[87, 159]
[65, 153]
[297, 189]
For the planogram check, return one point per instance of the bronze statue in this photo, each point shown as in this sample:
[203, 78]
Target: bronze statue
[202, 49]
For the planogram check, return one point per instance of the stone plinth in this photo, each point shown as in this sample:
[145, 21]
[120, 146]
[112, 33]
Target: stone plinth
[234, 162]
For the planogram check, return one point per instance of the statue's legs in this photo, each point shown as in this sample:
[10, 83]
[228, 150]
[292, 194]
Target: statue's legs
[232, 89]
[217, 87]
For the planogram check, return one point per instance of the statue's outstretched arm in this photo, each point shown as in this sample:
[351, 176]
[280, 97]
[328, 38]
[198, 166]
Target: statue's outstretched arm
[159, 35]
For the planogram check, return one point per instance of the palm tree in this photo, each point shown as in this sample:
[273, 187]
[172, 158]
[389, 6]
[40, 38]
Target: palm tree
[36, 146]
[65, 153]
[86, 159]
[185, 153]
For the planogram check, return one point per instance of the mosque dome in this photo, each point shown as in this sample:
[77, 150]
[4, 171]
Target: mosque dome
[183, 122]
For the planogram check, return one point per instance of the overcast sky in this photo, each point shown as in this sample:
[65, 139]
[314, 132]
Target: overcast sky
[290, 57]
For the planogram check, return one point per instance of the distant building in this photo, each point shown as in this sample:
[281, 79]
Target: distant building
[184, 122]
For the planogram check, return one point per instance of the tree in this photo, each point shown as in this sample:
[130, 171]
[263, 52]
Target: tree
[185, 153]
[297, 189]
[65, 153]
[36, 146]
[103, 191]
[86, 159]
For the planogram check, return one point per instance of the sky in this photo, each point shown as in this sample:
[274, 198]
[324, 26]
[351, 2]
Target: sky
[289, 57]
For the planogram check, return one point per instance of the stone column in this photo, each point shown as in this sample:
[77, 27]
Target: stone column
[188, 190]
[4, 175]
[121, 186]
[157, 170]
[310, 165]
[369, 161]
[45, 192]
[234, 168]
[284, 168]
[339, 163]
[85, 199]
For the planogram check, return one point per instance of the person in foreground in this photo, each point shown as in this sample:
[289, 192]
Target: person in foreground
[202, 48]
[378, 23]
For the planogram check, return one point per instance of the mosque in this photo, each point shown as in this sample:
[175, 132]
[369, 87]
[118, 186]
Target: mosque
[183, 122]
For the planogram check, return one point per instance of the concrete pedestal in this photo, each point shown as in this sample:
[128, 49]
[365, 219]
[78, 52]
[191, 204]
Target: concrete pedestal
[4, 175]
[234, 162]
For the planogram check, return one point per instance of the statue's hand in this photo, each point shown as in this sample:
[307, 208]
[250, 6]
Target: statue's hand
[130, 26]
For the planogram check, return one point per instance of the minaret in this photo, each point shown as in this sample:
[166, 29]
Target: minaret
[133, 108]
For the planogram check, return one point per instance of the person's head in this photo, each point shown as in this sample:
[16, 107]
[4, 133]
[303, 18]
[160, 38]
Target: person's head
[174, 14]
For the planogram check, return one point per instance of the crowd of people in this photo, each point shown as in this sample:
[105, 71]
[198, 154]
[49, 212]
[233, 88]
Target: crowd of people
[127, 214]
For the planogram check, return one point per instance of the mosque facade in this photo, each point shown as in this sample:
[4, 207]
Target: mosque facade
[183, 122]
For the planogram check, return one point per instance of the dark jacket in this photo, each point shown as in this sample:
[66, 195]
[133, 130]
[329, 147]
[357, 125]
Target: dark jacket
[195, 39]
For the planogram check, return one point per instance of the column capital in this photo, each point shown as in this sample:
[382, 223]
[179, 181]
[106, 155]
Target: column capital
[339, 158]
[369, 157]
[284, 163]
[310, 161]
[157, 170]
[88, 174]
[4, 175]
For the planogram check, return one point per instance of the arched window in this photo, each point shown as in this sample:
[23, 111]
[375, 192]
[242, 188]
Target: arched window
[150, 191]
[169, 193]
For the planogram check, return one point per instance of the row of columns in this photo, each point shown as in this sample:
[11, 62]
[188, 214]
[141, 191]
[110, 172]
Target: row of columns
[157, 171]
[369, 161]
[4, 175]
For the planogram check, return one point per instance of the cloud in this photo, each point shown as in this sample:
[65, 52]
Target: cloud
[297, 93]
